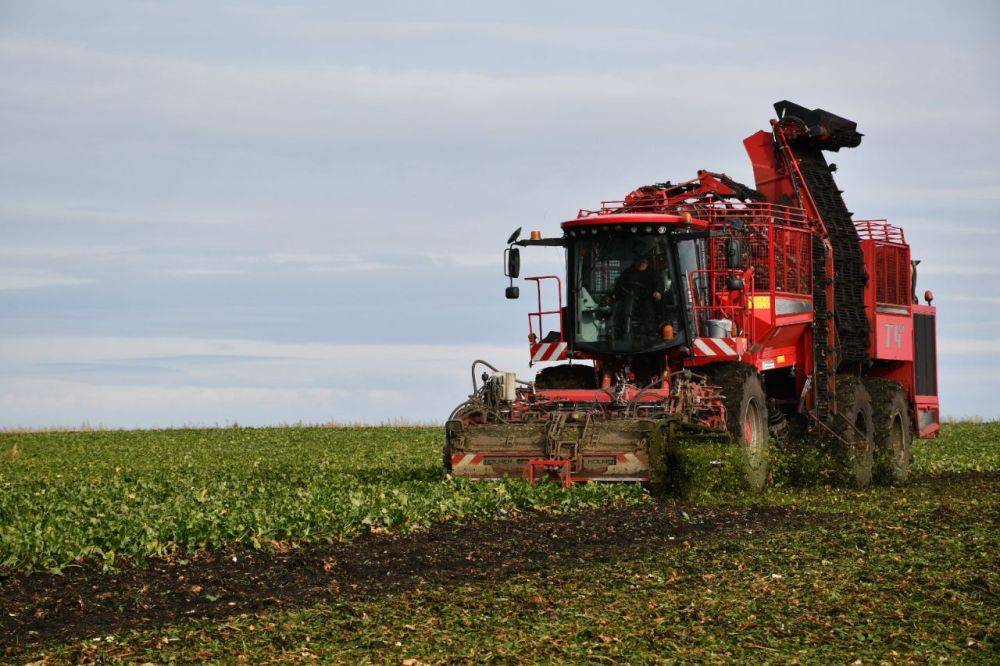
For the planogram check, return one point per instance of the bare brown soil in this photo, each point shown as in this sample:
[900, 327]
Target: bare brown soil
[86, 602]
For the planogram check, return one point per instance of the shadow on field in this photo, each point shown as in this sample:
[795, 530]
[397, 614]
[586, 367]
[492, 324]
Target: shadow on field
[85, 602]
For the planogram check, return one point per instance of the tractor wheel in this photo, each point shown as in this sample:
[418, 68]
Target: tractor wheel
[566, 377]
[446, 454]
[855, 424]
[893, 430]
[746, 418]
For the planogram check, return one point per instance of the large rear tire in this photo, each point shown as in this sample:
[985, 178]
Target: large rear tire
[856, 426]
[746, 418]
[893, 430]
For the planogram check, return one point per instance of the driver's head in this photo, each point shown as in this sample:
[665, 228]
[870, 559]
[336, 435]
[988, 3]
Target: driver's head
[642, 264]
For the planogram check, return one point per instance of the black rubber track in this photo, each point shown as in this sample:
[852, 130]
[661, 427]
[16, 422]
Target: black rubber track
[822, 378]
[849, 285]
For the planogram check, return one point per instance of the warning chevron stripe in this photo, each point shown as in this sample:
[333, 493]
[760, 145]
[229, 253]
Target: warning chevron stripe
[548, 351]
[719, 346]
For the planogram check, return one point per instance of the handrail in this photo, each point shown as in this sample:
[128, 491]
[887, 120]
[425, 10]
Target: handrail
[537, 279]
[709, 211]
[880, 230]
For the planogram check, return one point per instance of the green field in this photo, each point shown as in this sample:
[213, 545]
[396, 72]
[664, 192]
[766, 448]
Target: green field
[439, 570]
[105, 495]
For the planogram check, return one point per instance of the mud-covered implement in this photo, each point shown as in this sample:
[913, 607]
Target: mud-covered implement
[580, 434]
[709, 306]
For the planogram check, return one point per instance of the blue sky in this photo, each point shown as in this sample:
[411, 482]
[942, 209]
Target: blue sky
[263, 212]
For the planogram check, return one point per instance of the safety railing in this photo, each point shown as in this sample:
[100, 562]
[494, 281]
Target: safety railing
[715, 212]
[880, 230]
[537, 317]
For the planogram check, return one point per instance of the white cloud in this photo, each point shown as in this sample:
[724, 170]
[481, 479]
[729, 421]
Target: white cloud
[971, 377]
[959, 193]
[992, 300]
[958, 228]
[67, 83]
[36, 278]
[320, 262]
[64, 349]
[645, 41]
[936, 268]
[59, 252]
[37, 403]
[172, 381]
[324, 263]
[204, 272]
[969, 346]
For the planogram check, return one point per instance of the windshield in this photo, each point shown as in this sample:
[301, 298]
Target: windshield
[627, 299]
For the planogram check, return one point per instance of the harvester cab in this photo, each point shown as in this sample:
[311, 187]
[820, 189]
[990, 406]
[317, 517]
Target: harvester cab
[715, 308]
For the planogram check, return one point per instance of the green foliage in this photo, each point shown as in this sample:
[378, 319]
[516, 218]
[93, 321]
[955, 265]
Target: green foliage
[135, 494]
[807, 462]
[106, 495]
[886, 575]
[890, 574]
[695, 468]
[962, 447]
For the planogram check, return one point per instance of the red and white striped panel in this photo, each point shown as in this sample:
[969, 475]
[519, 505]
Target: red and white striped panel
[465, 460]
[720, 346]
[548, 351]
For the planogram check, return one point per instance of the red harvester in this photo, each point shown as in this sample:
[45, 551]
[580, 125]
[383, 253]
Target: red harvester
[712, 306]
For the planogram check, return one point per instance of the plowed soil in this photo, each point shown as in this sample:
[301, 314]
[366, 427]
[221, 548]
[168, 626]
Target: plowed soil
[86, 601]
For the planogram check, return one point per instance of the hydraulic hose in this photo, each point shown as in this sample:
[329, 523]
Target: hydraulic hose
[475, 384]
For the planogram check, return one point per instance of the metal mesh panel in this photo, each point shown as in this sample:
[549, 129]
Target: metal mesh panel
[760, 256]
[893, 275]
[792, 261]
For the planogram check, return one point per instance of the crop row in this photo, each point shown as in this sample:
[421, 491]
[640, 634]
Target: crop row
[137, 494]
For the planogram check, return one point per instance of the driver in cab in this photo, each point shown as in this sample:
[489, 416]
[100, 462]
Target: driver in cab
[638, 281]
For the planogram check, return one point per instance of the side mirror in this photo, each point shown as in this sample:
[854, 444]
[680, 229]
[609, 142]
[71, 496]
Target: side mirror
[734, 253]
[513, 256]
[512, 292]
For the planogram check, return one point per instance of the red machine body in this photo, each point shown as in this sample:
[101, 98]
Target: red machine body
[775, 283]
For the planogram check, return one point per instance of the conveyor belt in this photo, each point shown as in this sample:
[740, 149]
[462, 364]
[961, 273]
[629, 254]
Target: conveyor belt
[851, 277]
[830, 132]
[821, 309]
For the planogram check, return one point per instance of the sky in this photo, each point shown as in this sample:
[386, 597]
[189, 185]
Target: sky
[258, 212]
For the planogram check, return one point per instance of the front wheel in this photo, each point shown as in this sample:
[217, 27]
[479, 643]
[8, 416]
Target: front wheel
[746, 419]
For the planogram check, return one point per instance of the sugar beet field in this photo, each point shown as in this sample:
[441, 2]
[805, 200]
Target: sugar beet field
[348, 545]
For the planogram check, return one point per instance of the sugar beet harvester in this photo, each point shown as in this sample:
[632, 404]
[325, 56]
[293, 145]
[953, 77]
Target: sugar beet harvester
[712, 306]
